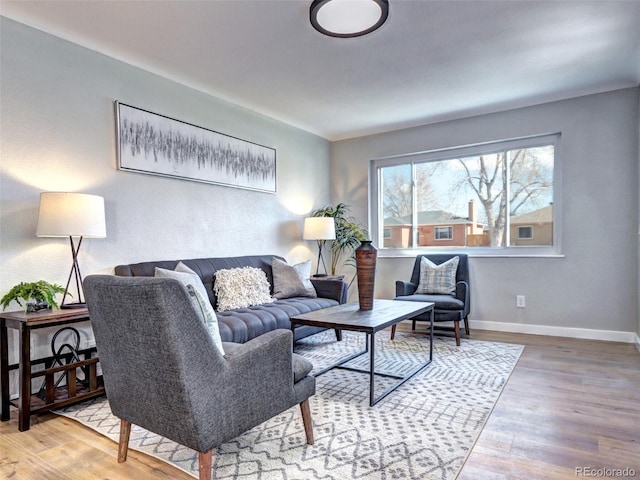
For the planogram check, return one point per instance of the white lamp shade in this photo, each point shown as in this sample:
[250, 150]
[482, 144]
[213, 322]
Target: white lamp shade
[319, 228]
[71, 215]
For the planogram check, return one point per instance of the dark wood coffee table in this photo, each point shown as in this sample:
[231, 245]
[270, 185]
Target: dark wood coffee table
[385, 313]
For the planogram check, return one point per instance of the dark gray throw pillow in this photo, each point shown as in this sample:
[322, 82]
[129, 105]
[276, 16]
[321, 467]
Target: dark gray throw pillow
[292, 280]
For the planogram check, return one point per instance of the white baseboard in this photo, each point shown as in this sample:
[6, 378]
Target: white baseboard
[638, 343]
[585, 333]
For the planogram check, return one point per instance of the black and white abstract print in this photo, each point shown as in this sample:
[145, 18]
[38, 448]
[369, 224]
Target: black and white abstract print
[159, 145]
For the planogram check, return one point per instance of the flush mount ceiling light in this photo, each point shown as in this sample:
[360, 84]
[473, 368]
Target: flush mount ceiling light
[348, 18]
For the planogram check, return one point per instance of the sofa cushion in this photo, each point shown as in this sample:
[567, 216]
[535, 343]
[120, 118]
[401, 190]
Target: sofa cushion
[292, 280]
[241, 288]
[442, 302]
[243, 324]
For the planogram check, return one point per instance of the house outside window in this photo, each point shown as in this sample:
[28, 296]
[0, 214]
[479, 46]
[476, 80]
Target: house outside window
[476, 197]
[533, 228]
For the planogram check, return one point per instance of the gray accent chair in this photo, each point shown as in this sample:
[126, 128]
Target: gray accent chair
[447, 308]
[162, 371]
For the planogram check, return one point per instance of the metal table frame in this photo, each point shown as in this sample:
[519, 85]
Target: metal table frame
[370, 348]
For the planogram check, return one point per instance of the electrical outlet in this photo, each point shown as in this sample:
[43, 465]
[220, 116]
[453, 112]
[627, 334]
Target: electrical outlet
[520, 303]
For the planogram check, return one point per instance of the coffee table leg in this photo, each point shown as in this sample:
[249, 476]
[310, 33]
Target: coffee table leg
[431, 334]
[372, 340]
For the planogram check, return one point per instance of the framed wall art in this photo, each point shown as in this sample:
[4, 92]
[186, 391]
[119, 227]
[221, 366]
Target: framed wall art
[158, 145]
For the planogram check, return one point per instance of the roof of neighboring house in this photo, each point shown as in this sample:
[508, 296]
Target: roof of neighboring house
[542, 215]
[433, 217]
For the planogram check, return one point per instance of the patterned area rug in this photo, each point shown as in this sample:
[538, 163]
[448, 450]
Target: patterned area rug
[424, 430]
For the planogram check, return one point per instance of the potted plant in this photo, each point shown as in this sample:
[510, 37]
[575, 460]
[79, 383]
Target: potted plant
[349, 234]
[36, 295]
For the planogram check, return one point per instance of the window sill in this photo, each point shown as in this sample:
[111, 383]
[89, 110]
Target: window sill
[476, 252]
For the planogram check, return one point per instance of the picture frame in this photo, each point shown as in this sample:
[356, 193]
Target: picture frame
[155, 144]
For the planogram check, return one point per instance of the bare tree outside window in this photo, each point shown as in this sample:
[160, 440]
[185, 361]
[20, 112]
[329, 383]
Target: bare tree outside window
[517, 179]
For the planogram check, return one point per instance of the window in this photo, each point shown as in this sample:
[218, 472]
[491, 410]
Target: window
[525, 233]
[443, 233]
[488, 196]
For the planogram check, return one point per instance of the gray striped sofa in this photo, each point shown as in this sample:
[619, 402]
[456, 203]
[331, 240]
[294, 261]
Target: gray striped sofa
[241, 325]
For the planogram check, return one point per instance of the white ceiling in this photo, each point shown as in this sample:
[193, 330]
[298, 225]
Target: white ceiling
[432, 60]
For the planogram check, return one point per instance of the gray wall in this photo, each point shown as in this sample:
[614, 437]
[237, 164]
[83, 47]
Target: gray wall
[594, 286]
[58, 134]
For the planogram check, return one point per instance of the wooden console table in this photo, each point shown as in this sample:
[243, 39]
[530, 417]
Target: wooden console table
[73, 392]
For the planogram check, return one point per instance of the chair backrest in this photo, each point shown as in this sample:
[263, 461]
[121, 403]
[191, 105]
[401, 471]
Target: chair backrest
[462, 274]
[155, 352]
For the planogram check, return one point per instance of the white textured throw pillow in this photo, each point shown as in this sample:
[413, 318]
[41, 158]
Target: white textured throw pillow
[241, 288]
[198, 296]
[438, 279]
[292, 280]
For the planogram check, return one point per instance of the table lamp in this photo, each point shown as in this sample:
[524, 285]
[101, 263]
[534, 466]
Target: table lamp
[72, 215]
[319, 229]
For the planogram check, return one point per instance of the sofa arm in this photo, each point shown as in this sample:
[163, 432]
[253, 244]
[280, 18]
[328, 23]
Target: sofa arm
[331, 288]
[405, 288]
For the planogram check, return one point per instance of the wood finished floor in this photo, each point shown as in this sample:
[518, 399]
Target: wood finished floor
[568, 404]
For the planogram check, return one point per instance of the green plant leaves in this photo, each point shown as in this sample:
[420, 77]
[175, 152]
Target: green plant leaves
[349, 234]
[40, 291]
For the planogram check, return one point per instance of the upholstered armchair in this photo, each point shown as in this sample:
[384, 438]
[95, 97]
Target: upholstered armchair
[453, 307]
[163, 372]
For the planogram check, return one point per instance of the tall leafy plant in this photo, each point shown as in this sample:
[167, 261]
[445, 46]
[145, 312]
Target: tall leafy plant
[349, 234]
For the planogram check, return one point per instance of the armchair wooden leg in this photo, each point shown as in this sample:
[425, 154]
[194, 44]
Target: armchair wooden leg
[306, 420]
[393, 331]
[205, 460]
[457, 331]
[123, 445]
[466, 325]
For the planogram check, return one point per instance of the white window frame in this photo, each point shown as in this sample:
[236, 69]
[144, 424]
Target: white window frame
[375, 200]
